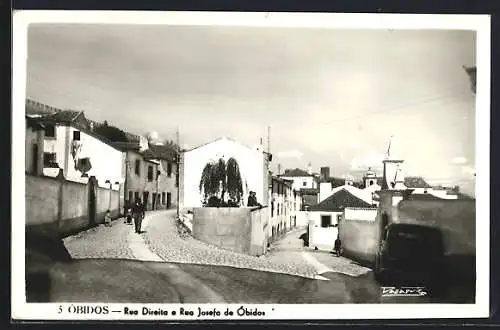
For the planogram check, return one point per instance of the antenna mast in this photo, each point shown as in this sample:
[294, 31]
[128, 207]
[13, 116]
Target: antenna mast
[269, 139]
[178, 163]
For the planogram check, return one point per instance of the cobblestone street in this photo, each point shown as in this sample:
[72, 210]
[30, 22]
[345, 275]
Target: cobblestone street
[163, 239]
[101, 242]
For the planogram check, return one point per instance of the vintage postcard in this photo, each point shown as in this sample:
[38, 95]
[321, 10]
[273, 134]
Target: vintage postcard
[250, 166]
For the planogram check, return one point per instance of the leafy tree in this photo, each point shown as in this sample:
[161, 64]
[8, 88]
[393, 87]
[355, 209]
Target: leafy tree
[112, 133]
[218, 179]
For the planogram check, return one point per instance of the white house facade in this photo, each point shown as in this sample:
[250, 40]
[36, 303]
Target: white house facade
[253, 167]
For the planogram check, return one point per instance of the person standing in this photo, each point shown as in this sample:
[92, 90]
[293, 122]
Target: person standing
[138, 215]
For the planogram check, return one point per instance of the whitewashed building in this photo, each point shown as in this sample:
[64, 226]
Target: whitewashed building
[253, 166]
[70, 145]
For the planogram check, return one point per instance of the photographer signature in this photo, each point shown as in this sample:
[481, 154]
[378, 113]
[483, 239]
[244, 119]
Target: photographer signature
[404, 291]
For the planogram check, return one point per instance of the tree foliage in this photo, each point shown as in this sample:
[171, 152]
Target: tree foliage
[112, 133]
[221, 181]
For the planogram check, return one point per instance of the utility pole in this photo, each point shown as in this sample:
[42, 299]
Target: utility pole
[178, 166]
[269, 139]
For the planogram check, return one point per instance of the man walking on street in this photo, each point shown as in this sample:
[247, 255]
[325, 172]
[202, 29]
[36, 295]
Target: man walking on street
[138, 215]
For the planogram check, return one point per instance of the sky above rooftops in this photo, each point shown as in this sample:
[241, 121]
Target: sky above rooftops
[331, 97]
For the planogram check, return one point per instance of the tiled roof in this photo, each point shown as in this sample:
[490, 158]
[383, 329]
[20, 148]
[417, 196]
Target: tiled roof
[62, 116]
[295, 173]
[127, 145]
[309, 191]
[160, 152]
[416, 182]
[339, 201]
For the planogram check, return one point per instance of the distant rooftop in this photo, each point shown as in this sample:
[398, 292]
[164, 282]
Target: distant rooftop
[339, 201]
[297, 172]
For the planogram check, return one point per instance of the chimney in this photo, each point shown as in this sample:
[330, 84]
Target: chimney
[309, 169]
[279, 169]
[325, 173]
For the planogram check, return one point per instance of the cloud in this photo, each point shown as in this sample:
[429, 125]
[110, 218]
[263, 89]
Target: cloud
[361, 163]
[459, 160]
[290, 154]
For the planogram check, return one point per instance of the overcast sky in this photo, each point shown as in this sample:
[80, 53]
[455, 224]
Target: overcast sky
[332, 97]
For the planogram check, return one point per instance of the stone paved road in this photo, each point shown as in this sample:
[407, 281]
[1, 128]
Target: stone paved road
[101, 242]
[163, 239]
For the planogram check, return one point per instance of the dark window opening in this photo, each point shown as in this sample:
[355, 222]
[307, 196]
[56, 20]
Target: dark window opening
[326, 221]
[49, 159]
[76, 135]
[130, 196]
[150, 173]
[163, 198]
[304, 183]
[50, 130]
[136, 195]
[169, 170]
[138, 167]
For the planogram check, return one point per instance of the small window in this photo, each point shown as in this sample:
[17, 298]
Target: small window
[326, 221]
[136, 195]
[130, 195]
[150, 173]
[169, 170]
[138, 167]
[49, 159]
[304, 183]
[50, 130]
[163, 198]
[76, 135]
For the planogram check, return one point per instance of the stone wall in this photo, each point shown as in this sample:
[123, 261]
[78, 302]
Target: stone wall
[59, 207]
[359, 239]
[240, 230]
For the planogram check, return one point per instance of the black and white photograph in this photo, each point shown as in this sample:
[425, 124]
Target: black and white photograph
[201, 166]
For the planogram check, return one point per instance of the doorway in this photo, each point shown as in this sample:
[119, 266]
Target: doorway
[35, 159]
[92, 210]
[169, 200]
[145, 198]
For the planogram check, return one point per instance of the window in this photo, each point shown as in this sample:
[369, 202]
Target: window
[150, 173]
[76, 135]
[49, 159]
[163, 198]
[50, 130]
[136, 195]
[169, 170]
[304, 183]
[326, 221]
[138, 167]
[130, 196]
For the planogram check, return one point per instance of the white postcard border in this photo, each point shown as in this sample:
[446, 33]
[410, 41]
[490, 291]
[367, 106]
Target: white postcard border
[479, 23]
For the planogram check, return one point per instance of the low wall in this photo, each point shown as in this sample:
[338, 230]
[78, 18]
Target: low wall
[240, 230]
[42, 202]
[322, 238]
[359, 239]
[259, 231]
[58, 207]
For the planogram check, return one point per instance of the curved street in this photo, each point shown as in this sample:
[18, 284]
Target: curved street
[114, 264]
